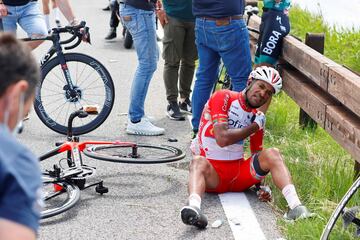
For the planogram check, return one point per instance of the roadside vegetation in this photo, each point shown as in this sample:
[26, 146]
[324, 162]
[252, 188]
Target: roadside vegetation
[322, 170]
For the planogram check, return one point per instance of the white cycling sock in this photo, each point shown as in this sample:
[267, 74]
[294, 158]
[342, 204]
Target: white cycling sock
[47, 21]
[195, 200]
[291, 196]
[56, 13]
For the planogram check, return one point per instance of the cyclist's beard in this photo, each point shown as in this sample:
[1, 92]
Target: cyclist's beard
[246, 98]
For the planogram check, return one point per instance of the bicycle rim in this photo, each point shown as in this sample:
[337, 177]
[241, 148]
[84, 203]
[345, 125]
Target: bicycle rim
[334, 229]
[58, 196]
[146, 153]
[92, 86]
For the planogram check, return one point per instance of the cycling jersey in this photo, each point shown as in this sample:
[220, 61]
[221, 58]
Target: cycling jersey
[226, 106]
[273, 28]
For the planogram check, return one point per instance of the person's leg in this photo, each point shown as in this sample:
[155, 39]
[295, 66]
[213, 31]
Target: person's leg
[142, 29]
[46, 12]
[172, 48]
[187, 67]
[202, 176]
[174, 33]
[271, 160]
[206, 73]
[234, 48]
[141, 25]
[114, 21]
[56, 12]
[66, 10]
[32, 21]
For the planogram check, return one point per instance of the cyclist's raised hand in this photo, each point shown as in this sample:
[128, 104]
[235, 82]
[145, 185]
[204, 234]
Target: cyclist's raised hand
[260, 119]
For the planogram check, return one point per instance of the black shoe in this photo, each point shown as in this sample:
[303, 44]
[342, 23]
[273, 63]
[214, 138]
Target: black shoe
[193, 216]
[185, 106]
[106, 8]
[111, 34]
[194, 133]
[173, 112]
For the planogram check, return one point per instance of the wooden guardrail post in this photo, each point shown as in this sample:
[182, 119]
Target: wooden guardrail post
[315, 41]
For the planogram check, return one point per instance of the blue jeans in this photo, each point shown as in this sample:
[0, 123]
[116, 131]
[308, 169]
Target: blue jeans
[231, 44]
[141, 25]
[29, 18]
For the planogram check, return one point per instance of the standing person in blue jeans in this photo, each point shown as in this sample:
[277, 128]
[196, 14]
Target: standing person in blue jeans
[138, 16]
[220, 32]
[20, 178]
[179, 53]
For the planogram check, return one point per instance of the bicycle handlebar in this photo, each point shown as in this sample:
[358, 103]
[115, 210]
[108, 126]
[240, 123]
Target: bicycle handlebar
[80, 31]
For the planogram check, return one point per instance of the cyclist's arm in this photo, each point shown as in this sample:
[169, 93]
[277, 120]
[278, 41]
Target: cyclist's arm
[219, 105]
[225, 136]
[13, 231]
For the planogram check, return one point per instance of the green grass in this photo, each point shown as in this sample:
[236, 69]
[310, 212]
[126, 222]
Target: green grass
[341, 45]
[321, 169]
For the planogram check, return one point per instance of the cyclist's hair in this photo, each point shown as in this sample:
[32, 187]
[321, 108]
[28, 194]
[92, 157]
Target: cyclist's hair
[17, 63]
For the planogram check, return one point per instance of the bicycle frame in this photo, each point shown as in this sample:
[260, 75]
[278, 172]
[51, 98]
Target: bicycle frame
[57, 49]
[74, 148]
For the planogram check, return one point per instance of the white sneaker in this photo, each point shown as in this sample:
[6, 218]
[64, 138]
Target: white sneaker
[144, 127]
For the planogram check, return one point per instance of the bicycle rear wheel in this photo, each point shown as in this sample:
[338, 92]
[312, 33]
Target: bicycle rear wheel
[344, 222]
[144, 153]
[59, 196]
[92, 85]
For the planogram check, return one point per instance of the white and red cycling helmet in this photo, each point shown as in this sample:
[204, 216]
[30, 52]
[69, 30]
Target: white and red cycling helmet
[269, 75]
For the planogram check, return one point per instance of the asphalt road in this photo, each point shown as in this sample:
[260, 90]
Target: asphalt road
[143, 200]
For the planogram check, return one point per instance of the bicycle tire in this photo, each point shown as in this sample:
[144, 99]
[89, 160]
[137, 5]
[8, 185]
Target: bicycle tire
[53, 104]
[58, 201]
[336, 215]
[121, 153]
[128, 40]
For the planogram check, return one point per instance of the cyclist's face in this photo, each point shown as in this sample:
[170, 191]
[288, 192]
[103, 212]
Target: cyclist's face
[258, 93]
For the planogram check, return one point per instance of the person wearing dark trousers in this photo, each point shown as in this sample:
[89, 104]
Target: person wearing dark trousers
[114, 19]
[179, 53]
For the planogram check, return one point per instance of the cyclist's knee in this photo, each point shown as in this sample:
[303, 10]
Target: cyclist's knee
[200, 164]
[270, 158]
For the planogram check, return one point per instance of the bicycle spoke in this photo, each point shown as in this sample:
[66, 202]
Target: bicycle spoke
[53, 102]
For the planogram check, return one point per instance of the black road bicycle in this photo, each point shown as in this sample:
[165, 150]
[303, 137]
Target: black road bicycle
[71, 81]
[62, 183]
[344, 222]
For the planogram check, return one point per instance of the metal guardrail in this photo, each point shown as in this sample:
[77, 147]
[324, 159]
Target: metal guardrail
[328, 92]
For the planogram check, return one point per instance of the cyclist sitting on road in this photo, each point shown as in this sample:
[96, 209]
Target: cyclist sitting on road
[218, 166]
[20, 178]
[273, 28]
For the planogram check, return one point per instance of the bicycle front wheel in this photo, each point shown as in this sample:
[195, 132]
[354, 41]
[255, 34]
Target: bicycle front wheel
[138, 153]
[56, 98]
[344, 222]
[58, 196]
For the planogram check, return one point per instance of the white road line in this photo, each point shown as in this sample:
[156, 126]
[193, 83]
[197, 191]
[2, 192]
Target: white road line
[241, 217]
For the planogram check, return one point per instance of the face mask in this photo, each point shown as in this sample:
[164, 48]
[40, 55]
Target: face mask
[19, 125]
